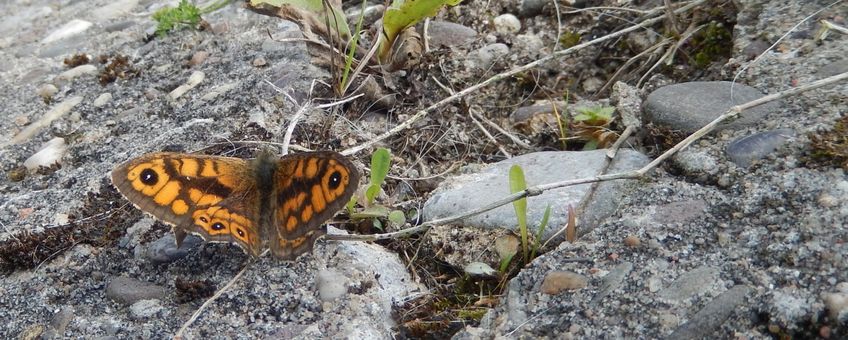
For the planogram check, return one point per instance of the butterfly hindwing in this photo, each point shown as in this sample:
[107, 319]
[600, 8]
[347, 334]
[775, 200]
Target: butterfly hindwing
[309, 189]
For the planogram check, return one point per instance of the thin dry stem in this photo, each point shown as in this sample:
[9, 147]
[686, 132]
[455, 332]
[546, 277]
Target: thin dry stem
[208, 302]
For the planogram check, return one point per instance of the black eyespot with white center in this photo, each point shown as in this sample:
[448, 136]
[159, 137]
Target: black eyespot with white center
[240, 232]
[335, 180]
[149, 177]
[217, 226]
[203, 219]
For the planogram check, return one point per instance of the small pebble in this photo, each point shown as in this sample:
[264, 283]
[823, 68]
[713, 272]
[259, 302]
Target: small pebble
[47, 91]
[198, 58]
[557, 281]
[259, 62]
[102, 100]
[144, 309]
[632, 241]
[507, 24]
[836, 304]
[613, 256]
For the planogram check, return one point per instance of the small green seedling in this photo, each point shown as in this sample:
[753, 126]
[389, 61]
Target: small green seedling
[591, 124]
[380, 163]
[185, 15]
[518, 183]
[598, 115]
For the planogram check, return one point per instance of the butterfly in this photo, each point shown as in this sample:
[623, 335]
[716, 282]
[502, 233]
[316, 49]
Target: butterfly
[270, 202]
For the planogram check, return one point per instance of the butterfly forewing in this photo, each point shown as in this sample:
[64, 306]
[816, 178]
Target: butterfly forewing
[310, 189]
[183, 190]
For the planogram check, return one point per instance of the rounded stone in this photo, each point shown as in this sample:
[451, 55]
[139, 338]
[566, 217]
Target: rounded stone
[744, 151]
[686, 107]
[507, 24]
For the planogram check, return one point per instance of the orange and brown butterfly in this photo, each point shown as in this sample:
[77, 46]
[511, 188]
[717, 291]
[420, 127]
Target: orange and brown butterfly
[270, 202]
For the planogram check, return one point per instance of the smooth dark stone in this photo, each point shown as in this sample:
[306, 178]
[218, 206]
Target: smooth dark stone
[746, 150]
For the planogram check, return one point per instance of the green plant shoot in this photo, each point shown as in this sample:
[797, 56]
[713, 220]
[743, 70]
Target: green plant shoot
[595, 115]
[351, 49]
[380, 161]
[184, 15]
[402, 14]
[516, 184]
[541, 231]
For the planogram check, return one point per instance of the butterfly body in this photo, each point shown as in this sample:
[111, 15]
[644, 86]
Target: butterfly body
[265, 203]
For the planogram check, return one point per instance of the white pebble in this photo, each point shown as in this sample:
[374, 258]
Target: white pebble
[49, 154]
[102, 99]
[72, 28]
[507, 23]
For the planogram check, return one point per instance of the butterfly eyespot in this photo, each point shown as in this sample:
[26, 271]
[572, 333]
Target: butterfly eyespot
[335, 180]
[240, 232]
[203, 219]
[217, 226]
[149, 177]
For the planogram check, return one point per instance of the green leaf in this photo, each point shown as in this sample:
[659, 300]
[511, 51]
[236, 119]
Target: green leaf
[380, 162]
[371, 192]
[541, 231]
[404, 13]
[354, 42]
[371, 212]
[350, 204]
[516, 184]
[397, 218]
[582, 117]
[505, 264]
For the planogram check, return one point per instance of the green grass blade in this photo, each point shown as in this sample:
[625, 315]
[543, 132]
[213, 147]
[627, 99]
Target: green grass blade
[516, 184]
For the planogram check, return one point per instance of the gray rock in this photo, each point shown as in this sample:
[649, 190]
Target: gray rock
[746, 150]
[127, 291]
[60, 321]
[472, 191]
[530, 44]
[119, 26]
[712, 316]
[530, 8]
[612, 281]
[113, 10]
[164, 250]
[444, 33]
[687, 107]
[144, 309]
[788, 307]
[690, 284]
[680, 211]
[331, 285]
[71, 28]
[486, 56]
